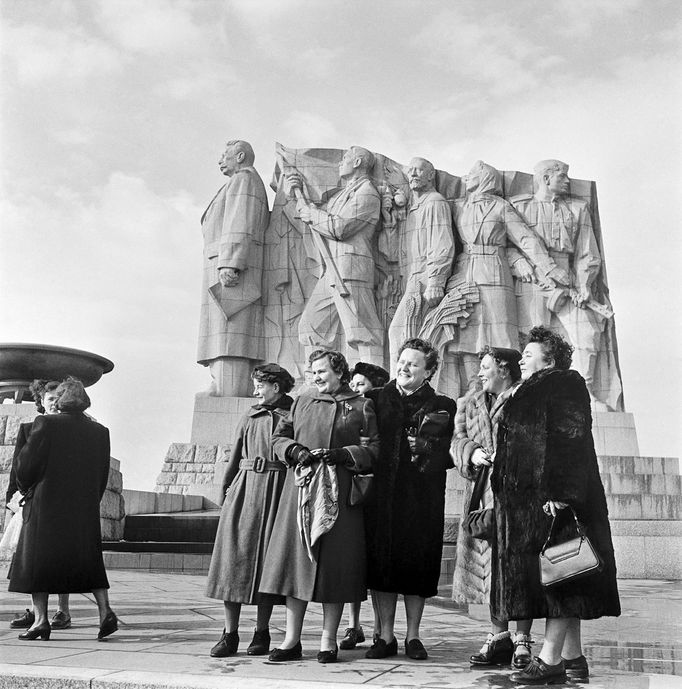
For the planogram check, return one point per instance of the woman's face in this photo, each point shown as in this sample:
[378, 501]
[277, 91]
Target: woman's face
[50, 402]
[533, 360]
[493, 377]
[360, 384]
[411, 371]
[324, 378]
[265, 392]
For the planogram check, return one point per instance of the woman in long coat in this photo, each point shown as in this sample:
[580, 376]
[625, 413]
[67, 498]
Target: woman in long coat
[407, 518]
[60, 547]
[332, 431]
[473, 451]
[545, 462]
[252, 486]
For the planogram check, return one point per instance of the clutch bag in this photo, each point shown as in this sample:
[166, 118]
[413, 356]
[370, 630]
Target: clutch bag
[569, 560]
[479, 522]
[361, 489]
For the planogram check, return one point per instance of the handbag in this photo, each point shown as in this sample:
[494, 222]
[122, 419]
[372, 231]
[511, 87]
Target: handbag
[479, 522]
[361, 489]
[569, 560]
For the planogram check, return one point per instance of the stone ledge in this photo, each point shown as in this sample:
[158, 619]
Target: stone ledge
[645, 527]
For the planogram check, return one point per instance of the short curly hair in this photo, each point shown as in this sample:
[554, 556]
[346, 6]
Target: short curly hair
[337, 362]
[553, 346]
[39, 388]
[376, 375]
[272, 373]
[426, 348]
[507, 359]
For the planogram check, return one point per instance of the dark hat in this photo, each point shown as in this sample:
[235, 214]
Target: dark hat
[275, 373]
[375, 374]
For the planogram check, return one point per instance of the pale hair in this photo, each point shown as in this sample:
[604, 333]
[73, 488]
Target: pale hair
[547, 167]
[243, 147]
[367, 157]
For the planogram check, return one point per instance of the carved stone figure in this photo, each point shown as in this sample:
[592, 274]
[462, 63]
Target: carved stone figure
[231, 323]
[564, 224]
[480, 307]
[430, 248]
[343, 228]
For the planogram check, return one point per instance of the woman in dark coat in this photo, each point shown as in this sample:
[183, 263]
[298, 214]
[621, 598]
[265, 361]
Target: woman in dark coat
[546, 462]
[407, 519]
[60, 546]
[329, 435]
[252, 485]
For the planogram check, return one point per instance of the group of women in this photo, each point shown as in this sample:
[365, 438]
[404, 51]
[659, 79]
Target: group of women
[297, 526]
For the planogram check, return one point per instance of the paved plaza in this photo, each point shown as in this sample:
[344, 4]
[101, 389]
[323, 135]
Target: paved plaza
[167, 627]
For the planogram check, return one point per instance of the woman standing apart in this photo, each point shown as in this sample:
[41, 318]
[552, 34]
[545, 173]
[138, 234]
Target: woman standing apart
[252, 486]
[473, 450]
[60, 547]
[545, 462]
[329, 435]
[407, 519]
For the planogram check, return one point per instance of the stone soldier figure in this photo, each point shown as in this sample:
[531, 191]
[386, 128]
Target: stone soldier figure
[343, 231]
[231, 323]
[564, 224]
[430, 248]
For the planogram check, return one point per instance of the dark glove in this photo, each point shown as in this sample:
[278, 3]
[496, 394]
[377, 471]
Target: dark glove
[299, 454]
[337, 456]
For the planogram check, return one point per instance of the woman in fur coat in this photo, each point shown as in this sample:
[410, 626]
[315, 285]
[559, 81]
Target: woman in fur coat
[473, 451]
[545, 463]
[407, 517]
[252, 486]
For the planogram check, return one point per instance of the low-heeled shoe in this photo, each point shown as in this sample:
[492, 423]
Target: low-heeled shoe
[352, 638]
[577, 668]
[60, 620]
[109, 625]
[260, 644]
[381, 649]
[42, 630]
[23, 621]
[414, 649]
[281, 655]
[227, 645]
[497, 650]
[538, 672]
[328, 656]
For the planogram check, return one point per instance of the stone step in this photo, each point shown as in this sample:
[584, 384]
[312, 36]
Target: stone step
[198, 526]
[642, 484]
[612, 464]
[638, 506]
[189, 563]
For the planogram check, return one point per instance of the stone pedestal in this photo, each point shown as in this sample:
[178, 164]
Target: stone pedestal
[614, 434]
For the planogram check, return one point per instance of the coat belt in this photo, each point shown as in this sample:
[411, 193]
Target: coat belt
[261, 464]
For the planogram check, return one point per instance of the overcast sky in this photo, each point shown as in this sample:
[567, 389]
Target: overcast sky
[113, 112]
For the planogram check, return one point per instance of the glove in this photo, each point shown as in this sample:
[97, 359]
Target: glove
[299, 454]
[337, 456]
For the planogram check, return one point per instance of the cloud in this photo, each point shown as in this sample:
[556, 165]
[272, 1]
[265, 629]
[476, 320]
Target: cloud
[301, 128]
[40, 54]
[198, 80]
[152, 27]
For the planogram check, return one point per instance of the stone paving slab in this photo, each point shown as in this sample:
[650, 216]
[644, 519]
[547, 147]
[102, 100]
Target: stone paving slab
[167, 627]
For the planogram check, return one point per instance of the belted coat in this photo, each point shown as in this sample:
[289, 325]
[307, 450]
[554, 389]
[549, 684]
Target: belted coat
[337, 573]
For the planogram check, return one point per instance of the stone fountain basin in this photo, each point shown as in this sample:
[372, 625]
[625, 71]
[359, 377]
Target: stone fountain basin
[22, 362]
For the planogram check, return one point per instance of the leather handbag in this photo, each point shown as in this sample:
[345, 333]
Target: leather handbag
[361, 489]
[569, 560]
[479, 522]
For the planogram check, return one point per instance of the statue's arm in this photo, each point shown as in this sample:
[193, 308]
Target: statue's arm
[586, 260]
[360, 212]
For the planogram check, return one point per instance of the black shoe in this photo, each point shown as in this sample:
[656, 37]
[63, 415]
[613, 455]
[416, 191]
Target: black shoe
[380, 649]
[109, 625]
[23, 621]
[226, 646]
[577, 668]
[281, 655]
[414, 649]
[538, 672]
[60, 620]
[497, 650]
[260, 644]
[352, 639]
[328, 656]
[42, 631]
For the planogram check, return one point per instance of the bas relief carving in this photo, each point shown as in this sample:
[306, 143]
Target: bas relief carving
[361, 252]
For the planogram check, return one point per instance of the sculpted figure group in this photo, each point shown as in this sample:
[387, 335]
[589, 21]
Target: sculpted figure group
[362, 253]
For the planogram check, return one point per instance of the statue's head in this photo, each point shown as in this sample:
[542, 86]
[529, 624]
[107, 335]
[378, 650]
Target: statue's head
[421, 174]
[356, 161]
[552, 176]
[484, 178]
[237, 154]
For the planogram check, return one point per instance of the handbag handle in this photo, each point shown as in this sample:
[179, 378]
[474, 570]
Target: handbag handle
[578, 527]
[479, 488]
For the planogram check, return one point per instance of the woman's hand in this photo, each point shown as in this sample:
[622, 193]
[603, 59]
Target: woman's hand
[336, 456]
[553, 506]
[480, 458]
